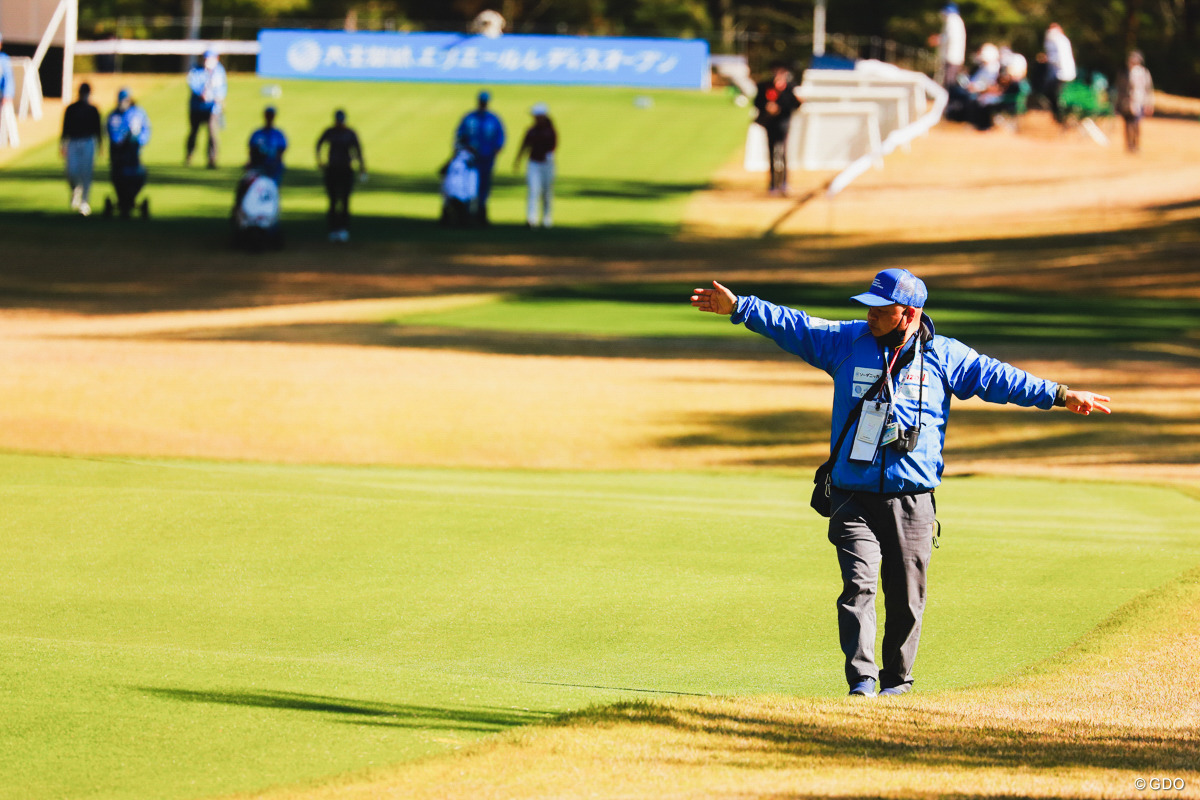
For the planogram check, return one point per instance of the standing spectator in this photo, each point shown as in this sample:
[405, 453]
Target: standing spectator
[776, 100]
[1135, 99]
[540, 141]
[267, 145]
[343, 151]
[951, 44]
[8, 84]
[81, 135]
[1060, 66]
[483, 132]
[128, 133]
[207, 104]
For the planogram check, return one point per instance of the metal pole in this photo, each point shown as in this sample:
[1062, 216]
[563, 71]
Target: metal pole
[70, 36]
[195, 15]
[819, 28]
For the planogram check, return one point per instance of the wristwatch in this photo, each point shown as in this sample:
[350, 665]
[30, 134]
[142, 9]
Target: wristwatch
[1060, 396]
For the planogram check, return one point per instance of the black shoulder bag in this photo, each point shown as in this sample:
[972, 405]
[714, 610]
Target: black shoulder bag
[821, 497]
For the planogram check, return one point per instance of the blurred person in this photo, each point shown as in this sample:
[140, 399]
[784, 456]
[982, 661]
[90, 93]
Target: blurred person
[8, 83]
[82, 135]
[775, 101]
[951, 44]
[128, 132]
[1135, 99]
[974, 99]
[1012, 64]
[483, 132]
[267, 146]
[1059, 59]
[343, 152]
[893, 378]
[206, 104]
[541, 141]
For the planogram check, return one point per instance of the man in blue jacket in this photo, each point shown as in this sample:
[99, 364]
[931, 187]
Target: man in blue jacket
[484, 134]
[128, 132]
[208, 87]
[892, 382]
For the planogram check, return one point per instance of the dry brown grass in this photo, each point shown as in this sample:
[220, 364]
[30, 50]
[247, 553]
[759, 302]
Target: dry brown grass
[1119, 706]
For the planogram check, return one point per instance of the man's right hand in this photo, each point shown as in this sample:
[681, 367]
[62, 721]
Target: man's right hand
[717, 300]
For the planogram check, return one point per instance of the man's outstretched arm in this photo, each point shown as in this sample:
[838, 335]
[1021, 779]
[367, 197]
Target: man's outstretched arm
[717, 300]
[1086, 402]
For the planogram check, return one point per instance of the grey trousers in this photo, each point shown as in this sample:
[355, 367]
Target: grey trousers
[887, 540]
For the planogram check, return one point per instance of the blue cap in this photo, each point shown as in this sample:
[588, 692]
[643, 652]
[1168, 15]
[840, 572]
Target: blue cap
[950, 8]
[484, 96]
[208, 54]
[339, 116]
[270, 110]
[122, 95]
[895, 286]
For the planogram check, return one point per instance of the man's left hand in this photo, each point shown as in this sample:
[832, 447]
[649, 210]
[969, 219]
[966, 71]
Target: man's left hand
[1086, 402]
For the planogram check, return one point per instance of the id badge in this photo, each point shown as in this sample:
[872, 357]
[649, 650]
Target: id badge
[871, 422]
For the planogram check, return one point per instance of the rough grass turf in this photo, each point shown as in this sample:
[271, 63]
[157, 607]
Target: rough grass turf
[183, 629]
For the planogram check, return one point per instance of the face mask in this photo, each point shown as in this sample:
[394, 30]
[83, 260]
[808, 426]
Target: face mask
[893, 338]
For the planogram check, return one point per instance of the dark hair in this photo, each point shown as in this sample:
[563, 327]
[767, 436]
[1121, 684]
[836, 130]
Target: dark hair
[85, 88]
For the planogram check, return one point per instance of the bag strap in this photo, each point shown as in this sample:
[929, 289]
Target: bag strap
[904, 361]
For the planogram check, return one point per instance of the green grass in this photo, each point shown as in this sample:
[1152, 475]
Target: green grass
[618, 165]
[656, 310]
[183, 629]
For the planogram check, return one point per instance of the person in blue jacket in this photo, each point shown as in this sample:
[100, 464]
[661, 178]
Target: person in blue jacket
[128, 132]
[208, 87]
[483, 132]
[8, 84]
[267, 146]
[884, 473]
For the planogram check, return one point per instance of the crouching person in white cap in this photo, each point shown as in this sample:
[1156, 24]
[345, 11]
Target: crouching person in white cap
[893, 378]
[540, 142]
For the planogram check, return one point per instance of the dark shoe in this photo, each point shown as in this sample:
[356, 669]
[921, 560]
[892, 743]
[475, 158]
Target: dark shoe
[144, 208]
[863, 688]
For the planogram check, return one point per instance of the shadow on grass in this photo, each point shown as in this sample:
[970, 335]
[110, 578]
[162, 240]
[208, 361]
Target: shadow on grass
[987, 434]
[223, 180]
[359, 712]
[497, 342]
[907, 738]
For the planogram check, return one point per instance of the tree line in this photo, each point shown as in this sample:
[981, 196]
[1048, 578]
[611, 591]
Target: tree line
[1102, 31]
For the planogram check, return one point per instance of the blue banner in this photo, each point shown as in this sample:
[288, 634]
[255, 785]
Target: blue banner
[593, 61]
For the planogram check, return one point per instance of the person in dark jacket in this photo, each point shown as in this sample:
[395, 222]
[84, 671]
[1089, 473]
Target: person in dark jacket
[540, 142]
[776, 101]
[82, 135]
[343, 154]
[893, 378]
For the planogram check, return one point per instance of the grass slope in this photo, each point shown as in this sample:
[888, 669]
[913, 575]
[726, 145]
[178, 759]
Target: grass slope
[176, 629]
[618, 164]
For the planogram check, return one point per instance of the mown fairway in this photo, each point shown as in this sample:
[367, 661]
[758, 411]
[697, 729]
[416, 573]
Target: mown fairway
[183, 629]
[618, 163]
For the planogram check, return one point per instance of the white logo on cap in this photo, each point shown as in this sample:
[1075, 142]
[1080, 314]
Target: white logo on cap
[304, 55]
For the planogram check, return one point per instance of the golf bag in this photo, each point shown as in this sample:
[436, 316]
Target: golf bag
[460, 190]
[256, 213]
